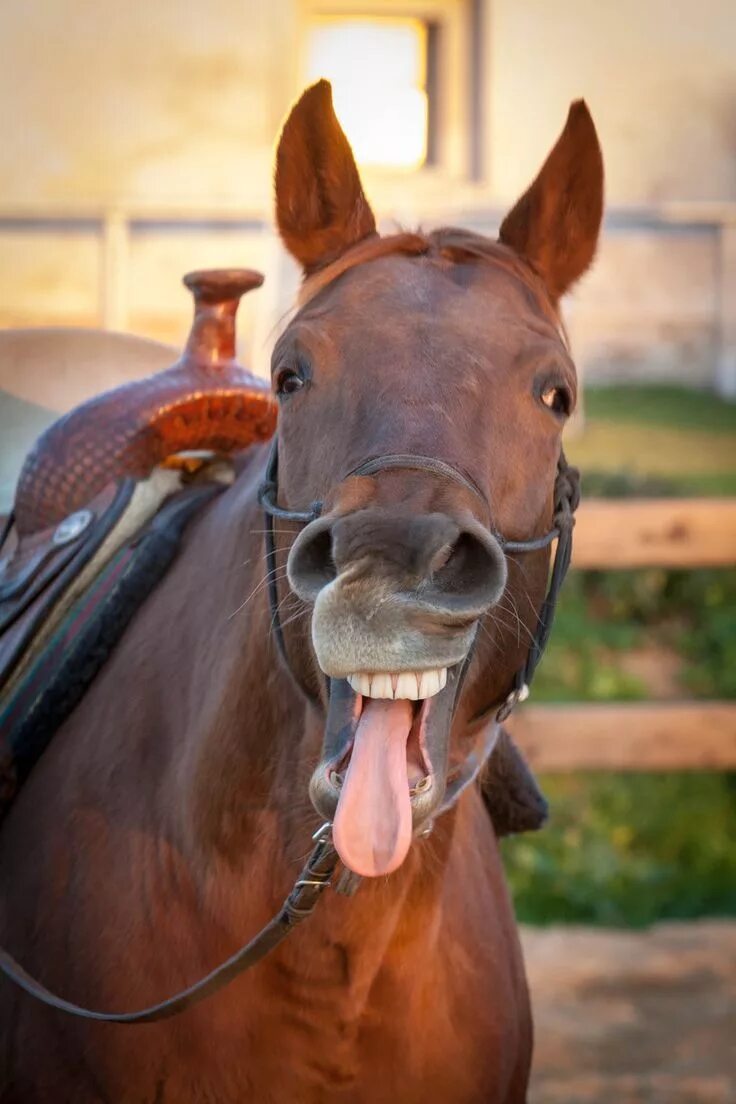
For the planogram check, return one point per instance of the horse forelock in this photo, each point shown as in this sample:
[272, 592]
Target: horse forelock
[447, 243]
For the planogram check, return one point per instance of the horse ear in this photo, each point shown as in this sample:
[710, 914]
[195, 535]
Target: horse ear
[555, 224]
[320, 206]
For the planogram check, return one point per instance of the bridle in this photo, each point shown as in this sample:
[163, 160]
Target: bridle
[566, 501]
[322, 862]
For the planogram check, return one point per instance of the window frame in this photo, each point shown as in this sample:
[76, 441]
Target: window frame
[450, 123]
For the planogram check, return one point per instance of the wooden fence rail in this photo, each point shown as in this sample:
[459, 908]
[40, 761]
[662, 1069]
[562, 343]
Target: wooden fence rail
[662, 532]
[667, 735]
[639, 736]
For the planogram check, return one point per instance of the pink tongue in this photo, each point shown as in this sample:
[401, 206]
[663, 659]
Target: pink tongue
[372, 827]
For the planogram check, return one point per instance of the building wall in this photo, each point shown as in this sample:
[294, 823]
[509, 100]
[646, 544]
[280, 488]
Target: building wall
[178, 102]
[168, 103]
[140, 139]
[659, 77]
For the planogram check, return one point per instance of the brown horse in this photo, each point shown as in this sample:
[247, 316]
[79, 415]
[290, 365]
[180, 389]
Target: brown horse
[165, 823]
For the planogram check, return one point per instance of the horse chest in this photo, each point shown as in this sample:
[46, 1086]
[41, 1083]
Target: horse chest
[280, 1044]
[366, 1005]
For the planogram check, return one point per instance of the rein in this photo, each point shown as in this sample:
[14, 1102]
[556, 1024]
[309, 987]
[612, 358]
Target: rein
[301, 902]
[320, 866]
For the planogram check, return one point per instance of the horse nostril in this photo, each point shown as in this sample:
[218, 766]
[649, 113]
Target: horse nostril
[469, 575]
[441, 558]
[463, 570]
[310, 566]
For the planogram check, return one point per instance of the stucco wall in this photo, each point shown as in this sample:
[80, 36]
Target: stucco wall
[658, 75]
[174, 106]
[651, 301]
[179, 101]
[170, 102]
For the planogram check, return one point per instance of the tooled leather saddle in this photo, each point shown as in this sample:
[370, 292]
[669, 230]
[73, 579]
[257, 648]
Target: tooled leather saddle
[102, 502]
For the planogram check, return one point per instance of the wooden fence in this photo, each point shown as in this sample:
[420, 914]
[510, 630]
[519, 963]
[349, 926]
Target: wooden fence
[667, 735]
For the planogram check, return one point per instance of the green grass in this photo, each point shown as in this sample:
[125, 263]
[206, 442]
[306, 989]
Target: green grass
[671, 407]
[631, 849]
[632, 484]
[657, 441]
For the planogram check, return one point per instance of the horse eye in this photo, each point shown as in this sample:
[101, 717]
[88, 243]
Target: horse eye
[288, 381]
[556, 399]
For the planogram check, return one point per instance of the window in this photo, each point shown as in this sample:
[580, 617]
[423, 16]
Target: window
[378, 67]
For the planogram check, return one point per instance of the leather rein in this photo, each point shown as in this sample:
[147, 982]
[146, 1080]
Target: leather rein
[320, 866]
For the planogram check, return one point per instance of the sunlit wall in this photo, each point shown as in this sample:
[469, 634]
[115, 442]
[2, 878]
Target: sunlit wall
[161, 119]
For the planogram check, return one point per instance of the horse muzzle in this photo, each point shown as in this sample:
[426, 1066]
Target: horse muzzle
[397, 598]
[395, 593]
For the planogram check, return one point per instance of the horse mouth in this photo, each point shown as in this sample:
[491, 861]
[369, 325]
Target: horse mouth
[383, 767]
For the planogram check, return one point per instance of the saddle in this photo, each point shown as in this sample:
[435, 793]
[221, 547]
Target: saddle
[102, 502]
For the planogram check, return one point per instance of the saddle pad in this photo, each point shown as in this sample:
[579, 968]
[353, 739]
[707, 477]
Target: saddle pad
[81, 629]
[36, 570]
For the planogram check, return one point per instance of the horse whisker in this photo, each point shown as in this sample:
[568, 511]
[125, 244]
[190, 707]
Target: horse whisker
[259, 586]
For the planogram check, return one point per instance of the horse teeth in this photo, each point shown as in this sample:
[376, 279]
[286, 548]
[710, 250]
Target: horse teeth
[381, 687]
[429, 684]
[361, 684]
[408, 685]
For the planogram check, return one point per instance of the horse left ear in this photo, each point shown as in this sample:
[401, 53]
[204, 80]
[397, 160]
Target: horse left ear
[556, 222]
[321, 209]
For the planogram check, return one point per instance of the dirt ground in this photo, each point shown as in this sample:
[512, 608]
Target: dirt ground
[634, 1017]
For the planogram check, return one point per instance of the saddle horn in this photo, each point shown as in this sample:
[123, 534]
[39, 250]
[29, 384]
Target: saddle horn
[204, 401]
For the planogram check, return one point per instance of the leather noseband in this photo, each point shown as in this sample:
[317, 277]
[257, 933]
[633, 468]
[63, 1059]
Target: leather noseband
[566, 501]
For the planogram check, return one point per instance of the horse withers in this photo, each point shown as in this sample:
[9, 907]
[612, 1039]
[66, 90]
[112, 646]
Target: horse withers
[355, 666]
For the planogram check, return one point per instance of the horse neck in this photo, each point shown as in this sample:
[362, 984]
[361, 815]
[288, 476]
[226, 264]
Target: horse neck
[244, 714]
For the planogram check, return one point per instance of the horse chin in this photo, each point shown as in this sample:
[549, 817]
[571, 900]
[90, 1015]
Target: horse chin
[382, 774]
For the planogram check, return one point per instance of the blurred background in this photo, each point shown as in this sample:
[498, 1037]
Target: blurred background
[137, 144]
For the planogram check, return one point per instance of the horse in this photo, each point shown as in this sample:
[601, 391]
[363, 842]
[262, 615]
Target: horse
[164, 821]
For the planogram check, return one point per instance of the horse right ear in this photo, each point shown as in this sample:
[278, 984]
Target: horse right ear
[556, 222]
[321, 209]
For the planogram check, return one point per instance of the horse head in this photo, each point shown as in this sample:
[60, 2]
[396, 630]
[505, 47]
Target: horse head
[424, 383]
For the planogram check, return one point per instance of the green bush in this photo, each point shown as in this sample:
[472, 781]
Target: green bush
[603, 614]
[631, 849]
[628, 850]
